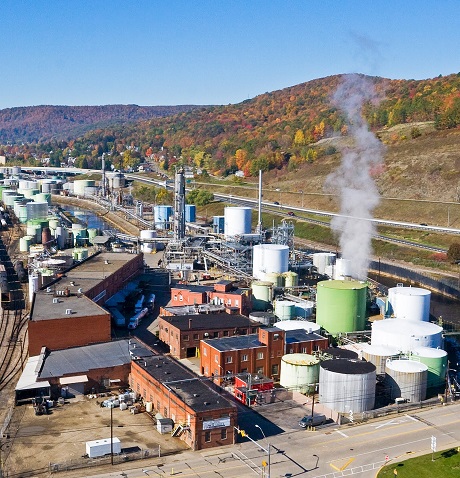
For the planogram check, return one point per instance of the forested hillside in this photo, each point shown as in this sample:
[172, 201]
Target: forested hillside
[44, 123]
[284, 128]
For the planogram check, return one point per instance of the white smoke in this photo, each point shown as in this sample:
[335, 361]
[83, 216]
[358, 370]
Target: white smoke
[357, 190]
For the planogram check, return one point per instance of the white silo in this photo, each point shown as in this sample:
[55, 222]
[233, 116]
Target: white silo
[406, 335]
[269, 258]
[147, 237]
[298, 325]
[409, 303]
[284, 309]
[321, 260]
[347, 385]
[406, 379]
[237, 221]
[378, 355]
[342, 269]
[299, 372]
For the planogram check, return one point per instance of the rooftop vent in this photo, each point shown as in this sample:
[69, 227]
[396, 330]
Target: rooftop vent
[48, 289]
[68, 311]
[55, 300]
[80, 290]
[72, 282]
[106, 262]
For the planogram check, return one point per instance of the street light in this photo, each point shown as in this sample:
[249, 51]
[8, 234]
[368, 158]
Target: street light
[268, 448]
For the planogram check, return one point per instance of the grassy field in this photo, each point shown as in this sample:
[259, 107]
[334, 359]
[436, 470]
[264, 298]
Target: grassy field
[446, 464]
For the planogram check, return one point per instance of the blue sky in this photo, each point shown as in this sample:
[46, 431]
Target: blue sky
[169, 52]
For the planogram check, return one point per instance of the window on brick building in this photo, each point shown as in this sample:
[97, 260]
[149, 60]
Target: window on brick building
[260, 355]
[225, 333]
[186, 337]
[205, 352]
[223, 434]
[216, 335]
[196, 336]
[207, 436]
[254, 330]
[275, 369]
[237, 303]
[244, 358]
[304, 350]
[228, 359]
[216, 358]
[165, 412]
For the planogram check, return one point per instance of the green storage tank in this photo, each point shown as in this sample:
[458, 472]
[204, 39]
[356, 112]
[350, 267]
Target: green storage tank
[341, 305]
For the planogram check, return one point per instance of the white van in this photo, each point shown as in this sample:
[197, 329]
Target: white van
[309, 421]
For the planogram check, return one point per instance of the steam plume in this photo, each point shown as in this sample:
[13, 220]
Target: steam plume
[357, 190]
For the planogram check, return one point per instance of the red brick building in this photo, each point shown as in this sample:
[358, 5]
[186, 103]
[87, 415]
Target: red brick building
[252, 388]
[222, 293]
[256, 353]
[183, 333]
[202, 417]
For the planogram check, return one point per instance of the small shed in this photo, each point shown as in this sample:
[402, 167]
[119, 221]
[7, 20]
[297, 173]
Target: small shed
[165, 425]
[96, 448]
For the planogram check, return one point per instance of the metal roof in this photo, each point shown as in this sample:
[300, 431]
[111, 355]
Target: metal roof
[209, 321]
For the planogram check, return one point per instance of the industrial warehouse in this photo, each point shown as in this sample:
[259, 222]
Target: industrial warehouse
[277, 323]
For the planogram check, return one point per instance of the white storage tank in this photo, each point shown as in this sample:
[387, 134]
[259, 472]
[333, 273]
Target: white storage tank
[80, 186]
[34, 285]
[406, 335]
[291, 279]
[284, 309]
[347, 385]
[409, 303]
[309, 327]
[406, 379]
[323, 259]
[237, 221]
[37, 210]
[378, 355]
[299, 372]
[342, 269]
[269, 258]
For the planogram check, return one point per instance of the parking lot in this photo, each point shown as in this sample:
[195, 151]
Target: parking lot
[62, 435]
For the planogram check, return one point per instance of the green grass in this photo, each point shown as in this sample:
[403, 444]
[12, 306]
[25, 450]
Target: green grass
[446, 464]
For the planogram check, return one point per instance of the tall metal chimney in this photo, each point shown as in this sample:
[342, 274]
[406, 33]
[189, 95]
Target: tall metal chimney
[179, 205]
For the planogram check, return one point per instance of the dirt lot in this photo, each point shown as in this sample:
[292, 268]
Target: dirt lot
[61, 435]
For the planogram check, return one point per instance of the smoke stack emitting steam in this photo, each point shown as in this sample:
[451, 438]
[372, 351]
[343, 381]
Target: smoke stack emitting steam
[357, 190]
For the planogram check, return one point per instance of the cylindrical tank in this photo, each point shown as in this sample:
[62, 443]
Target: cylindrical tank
[410, 303]
[406, 335]
[116, 180]
[291, 279]
[339, 353]
[297, 325]
[29, 193]
[33, 286]
[148, 248]
[25, 243]
[35, 231]
[46, 236]
[237, 221]
[61, 236]
[16, 170]
[163, 215]
[148, 407]
[378, 355]
[299, 372]
[342, 269]
[37, 210]
[22, 214]
[43, 197]
[218, 224]
[9, 199]
[267, 258]
[304, 309]
[347, 385]
[262, 295]
[406, 379]
[148, 234]
[265, 318]
[323, 259]
[275, 278]
[436, 361]
[190, 213]
[80, 186]
[7, 192]
[341, 306]
[54, 223]
[284, 309]
[79, 254]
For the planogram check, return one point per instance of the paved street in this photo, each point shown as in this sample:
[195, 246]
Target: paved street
[331, 452]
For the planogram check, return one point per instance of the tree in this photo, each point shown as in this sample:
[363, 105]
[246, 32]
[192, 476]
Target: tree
[299, 138]
[453, 254]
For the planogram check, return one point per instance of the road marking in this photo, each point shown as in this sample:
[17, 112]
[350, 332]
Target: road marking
[412, 418]
[341, 433]
[391, 422]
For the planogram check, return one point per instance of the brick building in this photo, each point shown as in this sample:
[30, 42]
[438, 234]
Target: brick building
[256, 353]
[183, 333]
[68, 312]
[222, 293]
[202, 417]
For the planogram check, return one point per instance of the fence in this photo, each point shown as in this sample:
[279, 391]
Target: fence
[77, 463]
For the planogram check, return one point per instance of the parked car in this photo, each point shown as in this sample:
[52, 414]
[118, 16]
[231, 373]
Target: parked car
[309, 421]
[290, 213]
[276, 203]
